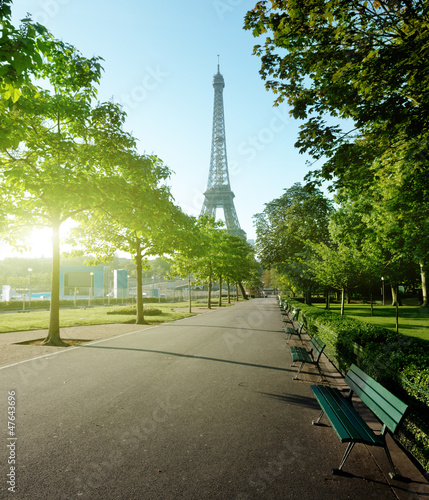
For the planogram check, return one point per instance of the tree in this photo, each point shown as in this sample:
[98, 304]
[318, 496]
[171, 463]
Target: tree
[387, 219]
[358, 61]
[26, 53]
[285, 227]
[54, 171]
[20, 53]
[239, 264]
[358, 65]
[138, 216]
[184, 259]
[342, 267]
[209, 254]
[399, 217]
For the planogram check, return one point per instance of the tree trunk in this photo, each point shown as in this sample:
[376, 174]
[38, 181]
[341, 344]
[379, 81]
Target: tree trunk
[236, 292]
[343, 297]
[209, 299]
[424, 286]
[243, 291]
[397, 311]
[139, 306]
[53, 337]
[396, 301]
[307, 296]
[328, 300]
[229, 292]
[220, 291]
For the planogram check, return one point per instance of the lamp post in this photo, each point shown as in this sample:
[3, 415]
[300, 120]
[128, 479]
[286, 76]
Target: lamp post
[91, 291]
[382, 288]
[128, 287]
[30, 270]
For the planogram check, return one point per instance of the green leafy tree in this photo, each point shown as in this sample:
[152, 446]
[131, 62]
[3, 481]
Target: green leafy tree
[53, 172]
[399, 217]
[240, 266]
[209, 255]
[342, 267]
[21, 51]
[185, 258]
[285, 228]
[387, 219]
[355, 61]
[138, 217]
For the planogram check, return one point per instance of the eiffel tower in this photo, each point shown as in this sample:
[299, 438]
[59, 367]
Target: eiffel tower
[218, 193]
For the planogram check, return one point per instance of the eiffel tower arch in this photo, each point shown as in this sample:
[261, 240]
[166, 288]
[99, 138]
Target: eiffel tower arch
[218, 193]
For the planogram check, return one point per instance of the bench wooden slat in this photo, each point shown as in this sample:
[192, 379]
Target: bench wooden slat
[292, 331]
[301, 354]
[348, 424]
[313, 356]
[386, 406]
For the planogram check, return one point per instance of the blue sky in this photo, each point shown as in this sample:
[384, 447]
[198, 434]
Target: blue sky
[159, 62]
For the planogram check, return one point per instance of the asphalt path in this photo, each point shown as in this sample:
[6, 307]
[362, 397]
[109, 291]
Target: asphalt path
[201, 408]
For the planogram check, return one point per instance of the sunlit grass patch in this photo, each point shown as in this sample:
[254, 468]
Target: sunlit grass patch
[413, 320]
[39, 320]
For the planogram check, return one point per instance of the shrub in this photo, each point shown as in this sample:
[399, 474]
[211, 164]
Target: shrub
[132, 310]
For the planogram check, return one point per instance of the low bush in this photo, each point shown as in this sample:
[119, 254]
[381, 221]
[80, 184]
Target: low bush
[132, 310]
[398, 362]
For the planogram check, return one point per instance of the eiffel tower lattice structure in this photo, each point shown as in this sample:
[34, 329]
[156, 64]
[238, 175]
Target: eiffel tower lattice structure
[218, 193]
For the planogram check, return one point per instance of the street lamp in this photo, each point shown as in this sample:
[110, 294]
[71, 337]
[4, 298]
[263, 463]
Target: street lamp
[30, 270]
[91, 288]
[382, 287]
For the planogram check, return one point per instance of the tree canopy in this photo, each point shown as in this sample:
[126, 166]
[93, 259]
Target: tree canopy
[355, 60]
[286, 227]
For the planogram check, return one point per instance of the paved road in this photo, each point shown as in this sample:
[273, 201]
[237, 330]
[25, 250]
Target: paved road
[202, 408]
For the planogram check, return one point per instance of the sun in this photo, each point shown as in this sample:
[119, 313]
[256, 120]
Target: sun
[38, 243]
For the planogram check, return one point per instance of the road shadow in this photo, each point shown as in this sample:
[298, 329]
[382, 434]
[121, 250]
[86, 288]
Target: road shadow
[175, 325]
[189, 356]
[294, 399]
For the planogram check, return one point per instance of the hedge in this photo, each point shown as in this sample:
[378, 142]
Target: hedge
[98, 301]
[398, 362]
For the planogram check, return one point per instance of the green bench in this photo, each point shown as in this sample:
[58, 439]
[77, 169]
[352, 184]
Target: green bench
[285, 308]
[300, 354]
[292, 331]
[348, 424]
[290, 317]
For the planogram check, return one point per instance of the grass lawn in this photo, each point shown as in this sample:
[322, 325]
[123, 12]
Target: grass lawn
[16, 322]
[413, 320]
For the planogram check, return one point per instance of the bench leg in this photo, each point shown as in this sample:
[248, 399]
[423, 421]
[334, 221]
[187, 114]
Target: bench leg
[343, 461]
[316, 422]
[393, 474]
[299, 370]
